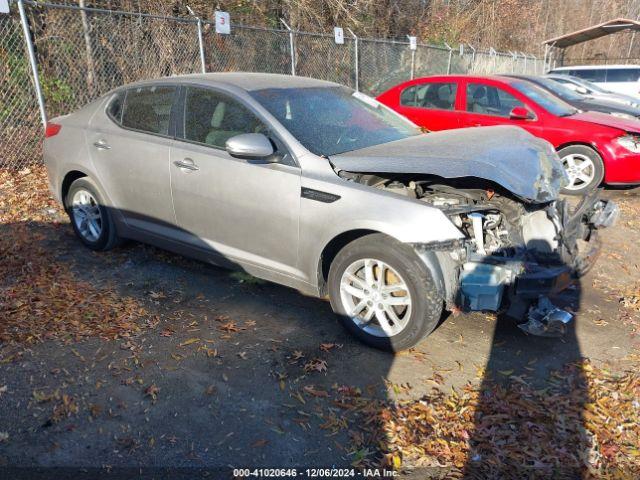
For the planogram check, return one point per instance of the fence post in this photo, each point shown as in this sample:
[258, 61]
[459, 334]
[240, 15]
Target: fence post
[535, 64]
[514, 60]
[413, 60]
[291, 47]
[201, 46]
[449, 60]
[493, 53]
[473, 58]
[33, 62]
[524, 70]
[355, 54]
[200, 41]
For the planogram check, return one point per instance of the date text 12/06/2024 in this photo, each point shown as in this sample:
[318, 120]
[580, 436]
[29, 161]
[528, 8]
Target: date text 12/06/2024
[313, 473]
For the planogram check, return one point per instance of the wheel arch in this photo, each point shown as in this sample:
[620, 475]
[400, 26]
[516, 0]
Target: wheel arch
[332, 248]
[70, 177]
[579, 144]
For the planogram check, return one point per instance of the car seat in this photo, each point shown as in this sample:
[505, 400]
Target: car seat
[229, 120]
[479, 95]
[446, 97]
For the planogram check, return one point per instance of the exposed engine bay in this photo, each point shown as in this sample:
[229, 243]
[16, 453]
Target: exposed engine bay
[514, 252]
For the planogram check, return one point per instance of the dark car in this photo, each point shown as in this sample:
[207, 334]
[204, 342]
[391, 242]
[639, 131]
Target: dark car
[582, 102]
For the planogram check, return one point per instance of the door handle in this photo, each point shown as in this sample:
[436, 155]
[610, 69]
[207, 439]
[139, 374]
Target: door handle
[101, 145]
[186, 164]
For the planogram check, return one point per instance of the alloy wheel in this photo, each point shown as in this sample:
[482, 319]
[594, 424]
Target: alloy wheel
[375, 297]
[86, 215]
[581, 170]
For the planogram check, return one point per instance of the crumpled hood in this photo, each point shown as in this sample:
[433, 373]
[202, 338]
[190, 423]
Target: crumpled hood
[525, 165]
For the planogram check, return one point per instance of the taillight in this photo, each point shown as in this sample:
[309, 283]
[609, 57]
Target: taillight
[52, 129]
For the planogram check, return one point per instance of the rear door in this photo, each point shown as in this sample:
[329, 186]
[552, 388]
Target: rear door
[130, 144]
[243, 211]
[431, 105]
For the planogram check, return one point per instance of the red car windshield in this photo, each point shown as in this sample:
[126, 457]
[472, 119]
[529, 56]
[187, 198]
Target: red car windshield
[545, 99]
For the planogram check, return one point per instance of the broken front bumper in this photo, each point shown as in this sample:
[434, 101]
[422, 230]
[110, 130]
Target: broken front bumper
[491, 283]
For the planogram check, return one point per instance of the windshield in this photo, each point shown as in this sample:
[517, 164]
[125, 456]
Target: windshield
[546, 100]
[332, 120]
[560, 90]
[587, 84]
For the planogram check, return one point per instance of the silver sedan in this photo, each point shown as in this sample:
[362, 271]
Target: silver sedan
[311, 185]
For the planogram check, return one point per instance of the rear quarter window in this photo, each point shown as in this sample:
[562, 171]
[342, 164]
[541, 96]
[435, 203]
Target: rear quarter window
[114, 109]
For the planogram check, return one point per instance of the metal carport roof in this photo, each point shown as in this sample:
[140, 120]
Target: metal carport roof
[593, 32]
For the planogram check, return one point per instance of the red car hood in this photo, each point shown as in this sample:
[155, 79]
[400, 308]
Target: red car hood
[626, 124]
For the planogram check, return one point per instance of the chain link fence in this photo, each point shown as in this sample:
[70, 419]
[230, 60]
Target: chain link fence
[82, 53]
[20, 125]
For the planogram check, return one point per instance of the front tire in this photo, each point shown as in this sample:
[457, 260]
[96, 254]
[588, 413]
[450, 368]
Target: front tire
[92, 222]
[383, 293]
[584, 167]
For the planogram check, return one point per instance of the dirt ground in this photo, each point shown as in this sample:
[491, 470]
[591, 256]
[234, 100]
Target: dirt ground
[141, 358]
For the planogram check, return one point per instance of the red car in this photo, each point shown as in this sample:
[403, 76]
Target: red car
[594, 147]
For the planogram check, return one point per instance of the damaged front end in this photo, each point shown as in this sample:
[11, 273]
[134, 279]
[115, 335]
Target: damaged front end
[500, 186]
[514, 253]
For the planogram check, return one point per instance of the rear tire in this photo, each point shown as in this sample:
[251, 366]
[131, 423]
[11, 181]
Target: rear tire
[383, 293]
[584, 167]
[91, 220]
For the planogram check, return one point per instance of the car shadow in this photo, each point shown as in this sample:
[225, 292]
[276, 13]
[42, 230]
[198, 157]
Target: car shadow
[296, 390]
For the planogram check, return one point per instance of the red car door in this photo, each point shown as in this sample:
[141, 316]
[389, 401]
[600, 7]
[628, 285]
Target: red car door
[431, 104]
[490, 103]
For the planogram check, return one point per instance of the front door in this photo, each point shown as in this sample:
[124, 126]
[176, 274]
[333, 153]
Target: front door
[130, 144]
[244, 211]
[488, 105]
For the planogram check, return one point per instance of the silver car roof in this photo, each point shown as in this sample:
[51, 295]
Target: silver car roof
[244, 80]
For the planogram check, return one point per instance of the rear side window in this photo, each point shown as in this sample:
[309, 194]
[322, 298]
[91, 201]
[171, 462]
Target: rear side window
[435, 95]
[623, 74]
[148, 109]
[114, 110]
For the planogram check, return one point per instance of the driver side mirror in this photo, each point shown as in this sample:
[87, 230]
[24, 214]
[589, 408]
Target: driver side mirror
[582, 90]
[520, 113]
[250, 146]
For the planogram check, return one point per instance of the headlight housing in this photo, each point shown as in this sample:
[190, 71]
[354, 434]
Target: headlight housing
[623, 115]
[630, 142]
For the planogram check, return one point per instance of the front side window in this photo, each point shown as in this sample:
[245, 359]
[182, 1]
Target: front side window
[490, 100]
[212, 118]
[623, 74]
[148, 109]
[333, 120]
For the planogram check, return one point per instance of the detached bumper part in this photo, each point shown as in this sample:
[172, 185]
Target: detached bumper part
[605, 214]
[546, 320]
